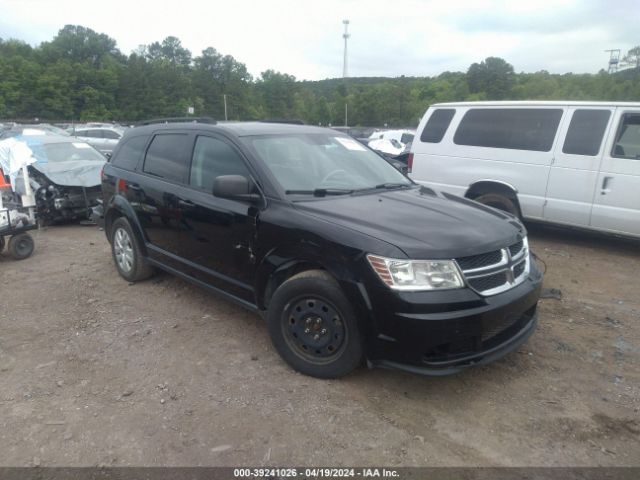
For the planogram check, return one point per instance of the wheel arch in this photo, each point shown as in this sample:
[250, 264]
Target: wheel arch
[482, 187]
[119, 207]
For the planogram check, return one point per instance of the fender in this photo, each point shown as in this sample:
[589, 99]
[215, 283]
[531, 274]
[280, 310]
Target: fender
[488, 181]
[285, 260]
[119, 206]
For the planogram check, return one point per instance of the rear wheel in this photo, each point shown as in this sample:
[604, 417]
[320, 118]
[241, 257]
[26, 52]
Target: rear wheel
[1, 244]
[127, 254]
[313, 327]
[500, 202]
[21, 246]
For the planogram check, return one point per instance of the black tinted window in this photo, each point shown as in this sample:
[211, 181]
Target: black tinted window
[628, 137]
[586, 131]
[166, 156]
[212, 158]
[513, 128]
[129, 153]
[406, 138]
[437, 125]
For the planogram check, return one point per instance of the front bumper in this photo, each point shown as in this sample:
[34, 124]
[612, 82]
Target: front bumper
[440, 333]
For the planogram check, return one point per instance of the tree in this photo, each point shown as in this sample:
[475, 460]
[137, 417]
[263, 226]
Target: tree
[632, 58]
[493, 75]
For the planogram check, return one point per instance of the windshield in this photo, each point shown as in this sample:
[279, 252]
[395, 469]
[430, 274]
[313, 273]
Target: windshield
[65, 152]
[309, 162]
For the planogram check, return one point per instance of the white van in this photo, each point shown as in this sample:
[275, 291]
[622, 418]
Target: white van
[568, 163]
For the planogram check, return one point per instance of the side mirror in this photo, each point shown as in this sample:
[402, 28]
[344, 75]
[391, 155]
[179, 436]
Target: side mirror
[235, 187]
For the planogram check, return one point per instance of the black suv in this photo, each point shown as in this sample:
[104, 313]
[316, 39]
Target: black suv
[346, 258]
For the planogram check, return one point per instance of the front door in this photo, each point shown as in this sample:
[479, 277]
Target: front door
[616, 205]
[218, 236]
[574, 170]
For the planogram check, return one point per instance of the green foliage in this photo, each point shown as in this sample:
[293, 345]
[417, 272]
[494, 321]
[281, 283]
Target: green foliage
[81, 75]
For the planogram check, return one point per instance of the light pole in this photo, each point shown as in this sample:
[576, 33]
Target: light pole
[346, 36]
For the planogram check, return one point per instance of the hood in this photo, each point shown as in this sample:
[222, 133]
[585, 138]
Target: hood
[421, 223]
[77, 173]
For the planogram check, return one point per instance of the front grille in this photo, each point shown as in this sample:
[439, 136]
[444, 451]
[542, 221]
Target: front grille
[480, 261]
[519, 269]
[516, 248]
[496, 271]
[489, 282]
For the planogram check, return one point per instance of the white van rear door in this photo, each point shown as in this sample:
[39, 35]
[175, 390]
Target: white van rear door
[616, 206]
[574, 170]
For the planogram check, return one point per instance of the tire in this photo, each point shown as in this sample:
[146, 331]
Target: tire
[127, 254]
[313, 327]
[21, 246]
[500, 202]
[1, 244]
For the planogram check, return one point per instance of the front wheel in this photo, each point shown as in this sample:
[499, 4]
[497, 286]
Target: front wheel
[313, 327]
[500, 202]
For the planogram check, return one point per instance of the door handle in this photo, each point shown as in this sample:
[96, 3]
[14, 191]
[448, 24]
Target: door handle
[186, 204]
[134, 186]
[606, 181]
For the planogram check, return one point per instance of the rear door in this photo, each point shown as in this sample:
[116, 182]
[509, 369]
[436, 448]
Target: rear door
[574, 169]
[157, 194]
[616, 206]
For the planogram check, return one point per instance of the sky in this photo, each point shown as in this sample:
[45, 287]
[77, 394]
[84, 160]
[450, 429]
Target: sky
[388, 38]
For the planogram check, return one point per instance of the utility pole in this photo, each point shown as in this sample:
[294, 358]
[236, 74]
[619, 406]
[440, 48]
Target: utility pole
[346, 115]
[346, 36]
[224, 96]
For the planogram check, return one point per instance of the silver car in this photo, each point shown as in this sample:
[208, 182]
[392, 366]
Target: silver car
[103, 139]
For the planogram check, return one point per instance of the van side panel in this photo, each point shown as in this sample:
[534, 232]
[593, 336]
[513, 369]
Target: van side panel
[573, 177]
[616, 205]
[454, 168]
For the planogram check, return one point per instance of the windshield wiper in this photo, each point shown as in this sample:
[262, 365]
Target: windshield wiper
[320, 192]
[390, 185]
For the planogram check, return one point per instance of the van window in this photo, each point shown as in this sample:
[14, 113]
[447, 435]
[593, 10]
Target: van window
[628, 138]
[513, 128]
[437, 125]
[130, 152]
[212, 158]
[166, 156]
[406, 138]
[586, 131]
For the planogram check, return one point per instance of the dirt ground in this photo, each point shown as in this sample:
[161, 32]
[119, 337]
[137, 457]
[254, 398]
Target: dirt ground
[95, 371]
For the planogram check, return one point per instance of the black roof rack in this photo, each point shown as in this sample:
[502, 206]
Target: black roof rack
[178, 120]
[292, 121]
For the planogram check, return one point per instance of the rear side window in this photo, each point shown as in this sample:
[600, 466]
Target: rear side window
[166, 157]
[586, 131]
[628, 137]
[513, 128]
[437, 125]
[129, 153]
[211, 158]
[110, 134]
[406, 138]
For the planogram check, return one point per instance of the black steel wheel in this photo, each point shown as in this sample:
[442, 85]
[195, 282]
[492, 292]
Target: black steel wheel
[313, 327]
[21, 246]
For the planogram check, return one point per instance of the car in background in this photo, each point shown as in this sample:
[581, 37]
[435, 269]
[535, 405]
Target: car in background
[102, 138]
[65, 177]
[31, 129]
[402, 136]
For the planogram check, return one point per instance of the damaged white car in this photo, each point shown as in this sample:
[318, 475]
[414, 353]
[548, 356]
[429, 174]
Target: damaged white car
[65, 176]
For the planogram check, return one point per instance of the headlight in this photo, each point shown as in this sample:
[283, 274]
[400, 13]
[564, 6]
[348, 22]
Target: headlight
[417, 274]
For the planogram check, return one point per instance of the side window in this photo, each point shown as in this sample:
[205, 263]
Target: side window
[628, 137]
[211, 158]
[406, 138]
[93, 133]
[437, 125]
[586, 131]
[513, 128]
[110, 134]
[129, 153]
[166, 156]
